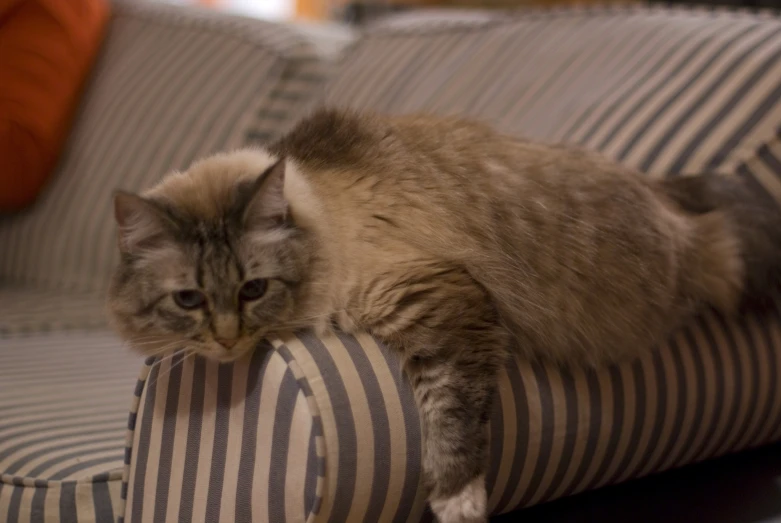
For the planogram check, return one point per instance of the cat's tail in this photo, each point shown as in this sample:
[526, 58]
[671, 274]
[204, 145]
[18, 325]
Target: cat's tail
[738, 236]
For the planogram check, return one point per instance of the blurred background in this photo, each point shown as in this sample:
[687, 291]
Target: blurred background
[362, 11]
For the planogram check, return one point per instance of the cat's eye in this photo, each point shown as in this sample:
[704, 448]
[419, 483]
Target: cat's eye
[189, 299]
[253, 290]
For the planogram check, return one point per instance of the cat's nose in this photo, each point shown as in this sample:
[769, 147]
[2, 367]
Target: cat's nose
[227, 343]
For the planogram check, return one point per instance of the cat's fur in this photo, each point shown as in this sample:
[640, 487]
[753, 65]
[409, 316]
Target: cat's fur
[450, 243]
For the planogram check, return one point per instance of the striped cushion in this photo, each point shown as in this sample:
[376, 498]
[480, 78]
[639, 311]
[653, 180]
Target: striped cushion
[170, 86]
[326, 429]
[665, 90]
[29, 310]
[63, 418]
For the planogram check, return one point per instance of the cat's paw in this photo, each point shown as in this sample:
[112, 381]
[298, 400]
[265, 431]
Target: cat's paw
[468, 506]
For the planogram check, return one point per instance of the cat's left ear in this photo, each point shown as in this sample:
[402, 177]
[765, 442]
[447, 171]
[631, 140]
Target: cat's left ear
[264, 203]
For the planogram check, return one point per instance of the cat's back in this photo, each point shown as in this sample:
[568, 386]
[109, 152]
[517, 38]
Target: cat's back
[427, 148]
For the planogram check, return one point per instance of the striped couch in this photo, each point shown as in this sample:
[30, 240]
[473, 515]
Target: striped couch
[325, 429]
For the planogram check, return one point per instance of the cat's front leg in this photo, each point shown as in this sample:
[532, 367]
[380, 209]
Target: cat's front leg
[452, 357]
[454, 404]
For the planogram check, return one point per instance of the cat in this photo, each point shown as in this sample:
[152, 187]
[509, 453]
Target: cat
[447, 241]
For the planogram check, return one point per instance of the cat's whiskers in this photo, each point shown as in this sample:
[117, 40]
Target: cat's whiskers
[186, 354]
[158, 350]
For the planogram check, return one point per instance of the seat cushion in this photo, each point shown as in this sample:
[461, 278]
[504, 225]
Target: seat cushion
[64, 398]
[29, 310]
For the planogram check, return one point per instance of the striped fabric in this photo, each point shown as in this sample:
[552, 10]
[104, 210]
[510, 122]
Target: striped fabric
[171, 85]
[326, 429]
[667, 91]
[25, 310]
[63, 412]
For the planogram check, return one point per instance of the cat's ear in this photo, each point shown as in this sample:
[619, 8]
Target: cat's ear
[263, 202]
[141, 224]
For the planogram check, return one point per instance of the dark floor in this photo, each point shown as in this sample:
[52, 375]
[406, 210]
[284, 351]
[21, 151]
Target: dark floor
[743, 488]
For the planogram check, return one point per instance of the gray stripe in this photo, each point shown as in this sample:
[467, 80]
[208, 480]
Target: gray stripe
[751, 350]
[249, 437]
[735, 368]
[570, 433]
[345, 425]
[764, 329]
[193, 440]
[617, 386]
[699, 394]
[220, 445]
[593, 433]
[705, 129]
[101, 500]
[68, 513]
[313, 471]
[546, 431]
[641, 392]
[167, 438]
[718, 401]
[680, 410]
[38, 505]
[280, 442]
[14, 504]
[380, 425]
[142, 449]
[521, 433]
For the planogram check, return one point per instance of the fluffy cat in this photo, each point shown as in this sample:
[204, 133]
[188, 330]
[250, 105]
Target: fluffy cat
[447, 241]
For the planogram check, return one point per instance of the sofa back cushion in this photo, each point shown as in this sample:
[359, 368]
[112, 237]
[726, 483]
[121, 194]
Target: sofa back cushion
[171, 85]
[668, 91]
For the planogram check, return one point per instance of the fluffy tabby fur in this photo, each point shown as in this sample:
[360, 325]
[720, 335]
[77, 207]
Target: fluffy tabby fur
[449, 242]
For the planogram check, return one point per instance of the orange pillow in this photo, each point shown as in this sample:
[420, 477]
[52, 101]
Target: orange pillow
[46, 50]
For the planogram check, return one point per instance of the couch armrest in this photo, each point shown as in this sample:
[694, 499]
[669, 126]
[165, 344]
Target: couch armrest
[311, 429]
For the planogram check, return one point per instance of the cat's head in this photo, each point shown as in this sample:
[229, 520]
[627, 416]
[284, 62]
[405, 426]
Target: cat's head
[211, 259]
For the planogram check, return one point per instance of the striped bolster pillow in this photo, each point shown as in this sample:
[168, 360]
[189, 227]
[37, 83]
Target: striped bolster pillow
[318, 430]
